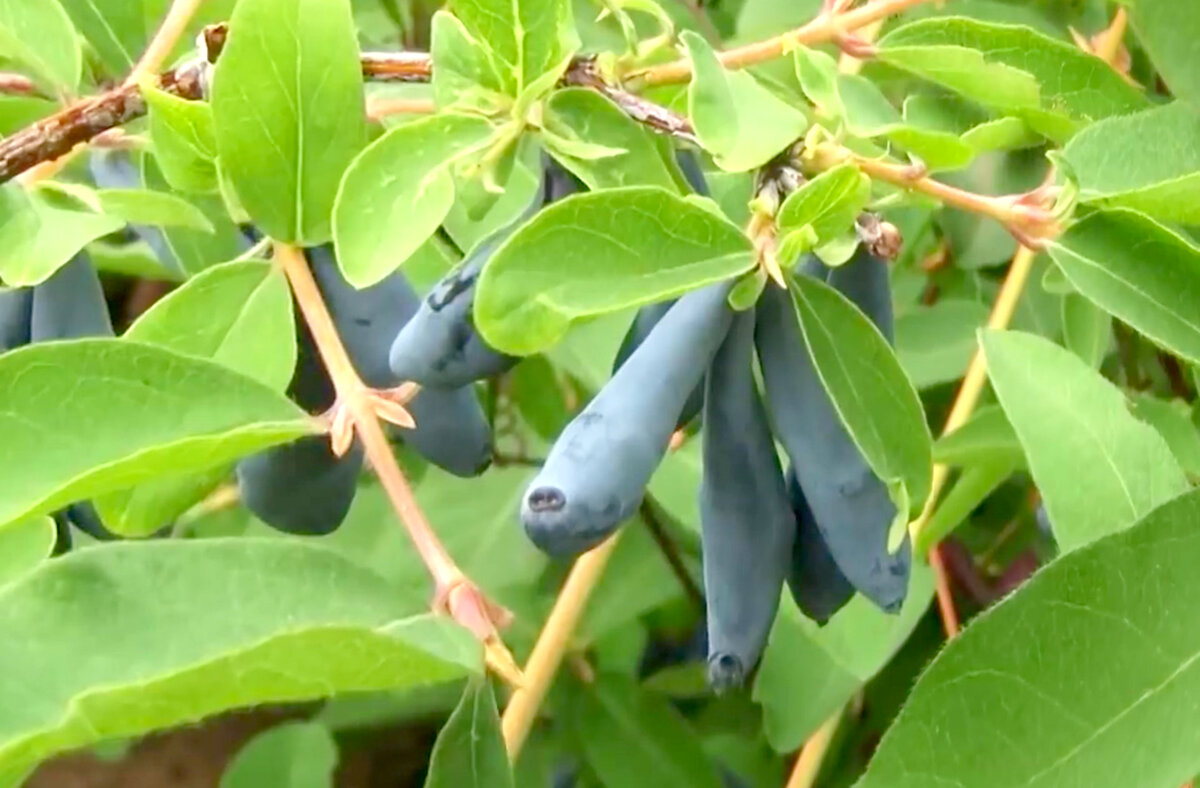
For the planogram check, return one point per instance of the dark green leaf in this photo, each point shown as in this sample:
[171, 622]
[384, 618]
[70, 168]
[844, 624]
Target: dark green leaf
[1169, 31]
[1060, 683]
[1140, 271]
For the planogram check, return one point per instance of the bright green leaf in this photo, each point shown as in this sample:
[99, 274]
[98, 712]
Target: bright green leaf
[39, 35]
[24, 545]
[37, 238]
[380, 220]
[526, 38]
[601, 252]
[1138, 270]
[159, 209]
[972, 487]
[196, 250]
[821, 210]
[469, 752]
[1087, 329]
[122, 412]
[594, 118]
[185, 144]
[1016, 699]
[289, 111]
[192, 628]
[238, 315]
[741, 123]
[869, 389]
[1097, 467]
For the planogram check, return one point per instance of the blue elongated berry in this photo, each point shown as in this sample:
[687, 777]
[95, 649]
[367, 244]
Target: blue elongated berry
[747, 523]
[597, 471]
[439, 346]
[817, 584]
[16, 312]
[70, 304]
[850, 504]
[452, 430]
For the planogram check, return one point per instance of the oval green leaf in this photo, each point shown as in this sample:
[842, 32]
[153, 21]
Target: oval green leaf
[601, 252]
[868, 387]
[381, 220]
[288, 111]
[86, 417]
[192, 628]
[470, 752]
[1097, 467]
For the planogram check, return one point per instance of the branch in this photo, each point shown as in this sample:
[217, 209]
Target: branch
[551, 644]
[670, 552]
[359, 406]
[830, 25]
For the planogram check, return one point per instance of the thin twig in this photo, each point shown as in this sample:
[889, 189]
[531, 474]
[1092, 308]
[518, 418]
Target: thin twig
[670, 552]
[454, 593]
[976, 376]
[826, 27]
[379, 108]
[173, 26]
[551, 644]
[812, 754]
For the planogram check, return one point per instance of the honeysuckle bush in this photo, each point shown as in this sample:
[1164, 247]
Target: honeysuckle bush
[967, 127]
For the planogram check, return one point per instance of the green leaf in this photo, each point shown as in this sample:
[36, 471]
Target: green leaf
[24, 545]
[469, 752]
[741, 123]
[592, 117]
[821, 210]
[1168, 31]
[288, 109]
[1173, 422]
[1098, 468]
[988, 436]
[1014, 699]
[238, 315]
[195, 250]
[380, 221]
[464, 73]
[810, 672]
[123, 412]
[638, 580]
[526, 38]
[1148, 161]
[1054, 86]
[632, 737]
[291, 755]
[601, 252]
[1138, 270]
[1087, 329]
[972, 487]
[37, 238]
[192, 628]
[936, 343]
[39, 35]
[185, 144]
[869, 389]
[143, 206]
